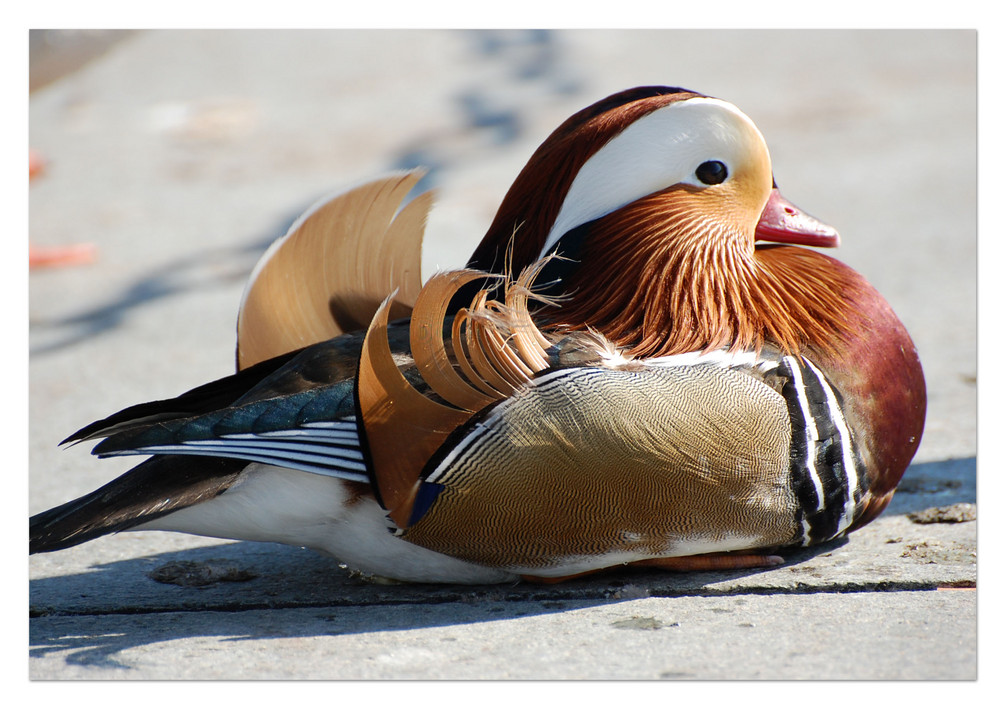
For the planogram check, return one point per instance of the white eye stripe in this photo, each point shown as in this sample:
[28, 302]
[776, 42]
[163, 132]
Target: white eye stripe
[661, 149]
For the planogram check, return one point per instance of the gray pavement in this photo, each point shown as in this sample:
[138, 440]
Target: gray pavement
[180, 155]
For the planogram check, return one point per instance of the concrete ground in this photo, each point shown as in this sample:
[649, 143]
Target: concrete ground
[181, 154]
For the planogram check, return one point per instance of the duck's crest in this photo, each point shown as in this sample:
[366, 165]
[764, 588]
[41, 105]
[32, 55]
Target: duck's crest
[552, 169]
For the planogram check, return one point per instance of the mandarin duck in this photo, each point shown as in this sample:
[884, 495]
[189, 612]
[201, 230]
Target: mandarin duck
[621, 375]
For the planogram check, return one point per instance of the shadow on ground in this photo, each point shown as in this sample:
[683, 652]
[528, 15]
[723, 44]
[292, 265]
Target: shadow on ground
[315, 595]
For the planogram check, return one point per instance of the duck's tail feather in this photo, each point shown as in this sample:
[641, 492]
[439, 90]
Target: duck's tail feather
[158, 486]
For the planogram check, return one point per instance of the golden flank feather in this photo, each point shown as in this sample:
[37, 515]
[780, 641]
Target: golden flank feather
[329, 274]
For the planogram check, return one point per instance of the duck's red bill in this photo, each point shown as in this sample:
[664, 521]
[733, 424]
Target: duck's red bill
[783, 222]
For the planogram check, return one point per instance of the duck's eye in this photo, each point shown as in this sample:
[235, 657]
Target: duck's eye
[711, 172]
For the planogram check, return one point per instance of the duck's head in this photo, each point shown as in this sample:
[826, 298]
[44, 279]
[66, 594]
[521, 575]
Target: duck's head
[650, 191]
[702, 152]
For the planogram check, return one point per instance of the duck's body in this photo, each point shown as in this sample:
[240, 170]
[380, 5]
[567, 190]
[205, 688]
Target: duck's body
[689, 394]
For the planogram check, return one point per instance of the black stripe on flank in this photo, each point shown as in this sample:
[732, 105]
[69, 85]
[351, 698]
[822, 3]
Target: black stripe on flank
[821, 457]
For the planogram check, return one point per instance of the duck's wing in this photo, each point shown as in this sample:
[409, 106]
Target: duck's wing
[302, 415]
[204, 398]
[299, 414]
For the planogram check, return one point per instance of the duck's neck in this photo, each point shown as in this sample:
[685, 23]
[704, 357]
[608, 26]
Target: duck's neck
[668, 286]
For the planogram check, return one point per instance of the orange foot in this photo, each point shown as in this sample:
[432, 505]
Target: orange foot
[692, 563]
[696, 563]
